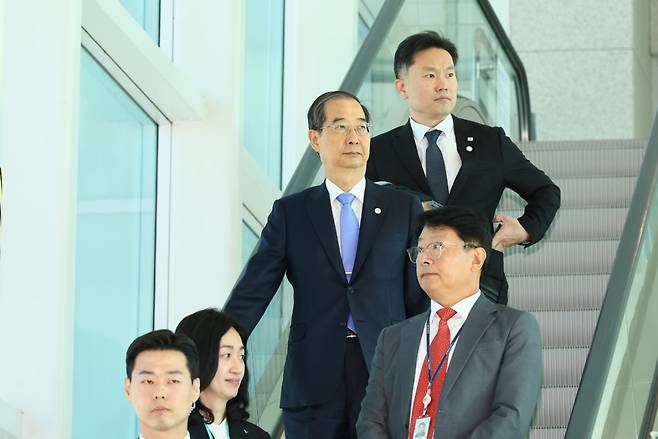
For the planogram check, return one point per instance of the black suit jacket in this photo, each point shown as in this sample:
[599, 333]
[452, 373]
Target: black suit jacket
[237, 429]
[300, 240]
[491, 164]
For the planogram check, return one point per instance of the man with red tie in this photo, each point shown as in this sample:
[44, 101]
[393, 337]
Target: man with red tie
[482, 376]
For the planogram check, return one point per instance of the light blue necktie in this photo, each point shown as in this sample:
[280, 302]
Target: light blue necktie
[349, 238]
[436, 168]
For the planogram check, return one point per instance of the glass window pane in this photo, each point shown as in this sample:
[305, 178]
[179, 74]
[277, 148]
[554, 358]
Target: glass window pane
[263, 84]
[114, 251]
[147, 14]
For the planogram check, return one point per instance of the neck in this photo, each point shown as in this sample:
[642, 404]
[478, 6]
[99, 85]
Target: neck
[177, 432]
[448, 299]
[347, 180]
[217, 406]
[428, 121]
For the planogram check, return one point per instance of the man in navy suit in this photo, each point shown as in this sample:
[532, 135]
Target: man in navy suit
[342, 246]
[455, 162]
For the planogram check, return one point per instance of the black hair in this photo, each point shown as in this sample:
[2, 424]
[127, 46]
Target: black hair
[316, 115]
[206, 328]
[407, 49]
[470, 226]
[163, 340]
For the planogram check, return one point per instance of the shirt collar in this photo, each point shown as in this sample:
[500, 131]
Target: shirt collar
[358, 190]
[445, 126]
[462, 308]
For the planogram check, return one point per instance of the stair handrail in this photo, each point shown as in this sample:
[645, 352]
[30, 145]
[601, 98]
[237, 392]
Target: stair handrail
[597, 366]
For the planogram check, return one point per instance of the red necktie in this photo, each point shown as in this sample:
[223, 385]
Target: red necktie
[438, 349]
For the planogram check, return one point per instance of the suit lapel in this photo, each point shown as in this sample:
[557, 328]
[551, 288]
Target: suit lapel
[405, 148]
[465, 139]
[371, 222]
[407, 355]
[319, 211]
[479, 319]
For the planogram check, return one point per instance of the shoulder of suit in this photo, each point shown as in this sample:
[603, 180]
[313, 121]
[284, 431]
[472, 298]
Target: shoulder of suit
[383, 137]
[301, 195]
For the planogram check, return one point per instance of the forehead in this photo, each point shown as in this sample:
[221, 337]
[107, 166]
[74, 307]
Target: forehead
[343, 108]
[432, 58]
[231, 338]
[161, 362]
[441, 233]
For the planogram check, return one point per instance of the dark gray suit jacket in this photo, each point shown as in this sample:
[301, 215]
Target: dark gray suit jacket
[491, 387]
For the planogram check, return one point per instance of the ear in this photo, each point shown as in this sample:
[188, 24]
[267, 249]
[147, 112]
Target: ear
[196, 388]
[126, 388]
[479, 256]
[314, 140]
[400, 87]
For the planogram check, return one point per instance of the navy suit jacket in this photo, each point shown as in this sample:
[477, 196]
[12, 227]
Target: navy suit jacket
[491, 387]
[299, 240]
[491, 164]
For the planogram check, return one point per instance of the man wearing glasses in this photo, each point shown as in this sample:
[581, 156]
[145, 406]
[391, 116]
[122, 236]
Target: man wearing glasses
[342, 246]
[482, 376]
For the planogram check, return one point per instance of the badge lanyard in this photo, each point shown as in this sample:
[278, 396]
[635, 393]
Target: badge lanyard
[431, 376]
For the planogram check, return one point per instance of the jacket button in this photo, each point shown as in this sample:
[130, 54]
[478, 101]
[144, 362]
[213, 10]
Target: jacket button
[350, 290]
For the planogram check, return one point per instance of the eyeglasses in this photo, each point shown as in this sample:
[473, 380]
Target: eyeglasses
[343, 128]
[434, 250]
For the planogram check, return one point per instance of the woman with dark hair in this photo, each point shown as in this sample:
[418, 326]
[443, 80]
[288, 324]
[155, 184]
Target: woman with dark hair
[221, 411]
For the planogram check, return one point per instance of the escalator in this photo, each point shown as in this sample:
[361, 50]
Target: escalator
[493, 89]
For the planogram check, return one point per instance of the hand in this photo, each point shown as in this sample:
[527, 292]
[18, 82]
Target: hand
[510, 233]
[430, 204]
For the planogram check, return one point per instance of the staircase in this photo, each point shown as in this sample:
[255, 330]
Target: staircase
[562, 280]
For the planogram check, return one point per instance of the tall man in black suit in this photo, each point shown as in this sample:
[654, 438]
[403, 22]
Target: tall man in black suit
[466, 163]
[342, 246]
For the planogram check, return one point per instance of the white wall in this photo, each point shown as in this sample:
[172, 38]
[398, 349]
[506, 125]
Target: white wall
[321, 42]
[205, 205]
[587, 65]
[39, 89]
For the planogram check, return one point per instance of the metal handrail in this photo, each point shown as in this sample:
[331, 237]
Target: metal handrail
[522, 88]
[597, 366]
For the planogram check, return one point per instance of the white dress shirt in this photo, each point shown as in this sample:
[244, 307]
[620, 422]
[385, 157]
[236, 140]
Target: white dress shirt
[447, 144]
[358, 191]
[462, 310]
[219, 431]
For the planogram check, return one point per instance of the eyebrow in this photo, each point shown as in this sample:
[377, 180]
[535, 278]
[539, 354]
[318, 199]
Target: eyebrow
[230, 346]
[338, 119]
[169, 372]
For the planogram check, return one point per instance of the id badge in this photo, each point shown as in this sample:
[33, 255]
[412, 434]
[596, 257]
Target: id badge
[422, 428]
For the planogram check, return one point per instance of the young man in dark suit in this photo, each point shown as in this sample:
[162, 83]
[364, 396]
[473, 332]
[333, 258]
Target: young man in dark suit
[455, 162]
[342, 246]
[483, 375]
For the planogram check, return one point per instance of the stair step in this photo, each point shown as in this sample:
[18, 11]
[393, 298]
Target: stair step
[583, 193]
[563, 366]
[554, 406]
[566, 329]
[583, 144]
[547, 433]
[584, 224]
[566, 257]
[557, 292]
[585, 163]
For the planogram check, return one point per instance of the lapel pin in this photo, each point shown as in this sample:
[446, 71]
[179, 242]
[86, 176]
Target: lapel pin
[378, 210]
[469, 139]
[469, 148]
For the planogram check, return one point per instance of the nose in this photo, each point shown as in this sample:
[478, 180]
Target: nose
[352, 138]
[237, 366]
[440, 83]
[159, 393]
